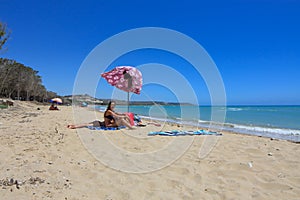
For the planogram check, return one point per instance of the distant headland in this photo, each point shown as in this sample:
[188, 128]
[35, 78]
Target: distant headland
[78, 99]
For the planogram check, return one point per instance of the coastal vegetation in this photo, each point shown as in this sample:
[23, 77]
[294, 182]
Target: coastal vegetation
[20, 82]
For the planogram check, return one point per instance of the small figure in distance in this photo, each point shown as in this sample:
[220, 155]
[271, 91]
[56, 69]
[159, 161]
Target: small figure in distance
[53, 107]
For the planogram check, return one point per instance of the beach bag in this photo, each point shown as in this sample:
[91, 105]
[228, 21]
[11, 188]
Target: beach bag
[131, 118]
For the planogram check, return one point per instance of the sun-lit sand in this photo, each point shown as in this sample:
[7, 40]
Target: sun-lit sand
[42, 159]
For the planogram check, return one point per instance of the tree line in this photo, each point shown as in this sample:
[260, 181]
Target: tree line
[20, 82]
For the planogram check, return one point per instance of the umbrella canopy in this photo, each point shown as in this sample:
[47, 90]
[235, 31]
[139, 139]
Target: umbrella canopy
[56, 100]
[126, 78]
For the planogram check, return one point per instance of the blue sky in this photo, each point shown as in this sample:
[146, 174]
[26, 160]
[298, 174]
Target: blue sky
[254, 44]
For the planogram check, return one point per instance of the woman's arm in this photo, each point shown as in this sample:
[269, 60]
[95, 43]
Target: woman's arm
[120, 114]
[114, 114]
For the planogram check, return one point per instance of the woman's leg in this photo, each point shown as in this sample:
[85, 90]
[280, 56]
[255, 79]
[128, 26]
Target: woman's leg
[123, 122]
[71, 126]
[127, 118]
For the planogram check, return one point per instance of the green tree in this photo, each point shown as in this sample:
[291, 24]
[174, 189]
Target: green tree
[20, 82]
[4, 34]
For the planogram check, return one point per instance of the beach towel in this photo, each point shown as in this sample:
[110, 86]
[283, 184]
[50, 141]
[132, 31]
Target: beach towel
[181, 133]
[105, 128]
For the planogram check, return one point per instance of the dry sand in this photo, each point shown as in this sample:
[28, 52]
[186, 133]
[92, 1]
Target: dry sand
[42, 159]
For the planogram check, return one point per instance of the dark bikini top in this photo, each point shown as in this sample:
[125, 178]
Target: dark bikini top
[110, 117]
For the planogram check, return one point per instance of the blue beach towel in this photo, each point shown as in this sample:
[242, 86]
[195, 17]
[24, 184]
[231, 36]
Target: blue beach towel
[105, 128]
[181, 133]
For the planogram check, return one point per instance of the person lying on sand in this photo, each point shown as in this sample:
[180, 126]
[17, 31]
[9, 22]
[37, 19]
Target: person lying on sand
[95, 123]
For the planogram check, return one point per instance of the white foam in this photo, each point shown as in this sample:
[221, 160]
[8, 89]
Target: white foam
[269, 130]
[234, 109]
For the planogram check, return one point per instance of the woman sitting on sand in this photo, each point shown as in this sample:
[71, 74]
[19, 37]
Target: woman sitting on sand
[111, 119]
[53, 107]
[114, 119]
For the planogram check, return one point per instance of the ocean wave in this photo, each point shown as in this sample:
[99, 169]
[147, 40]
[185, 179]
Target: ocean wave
[219, 125]
[234, 109]
[278, 133]
[269, 130]
[250, 128]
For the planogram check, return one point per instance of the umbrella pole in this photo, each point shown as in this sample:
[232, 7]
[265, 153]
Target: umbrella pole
[127, 101]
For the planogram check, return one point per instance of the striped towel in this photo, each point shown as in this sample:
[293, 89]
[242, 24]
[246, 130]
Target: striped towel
[105, 128]
[180, 133]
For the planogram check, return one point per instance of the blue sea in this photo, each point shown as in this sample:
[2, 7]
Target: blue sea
[279, 122]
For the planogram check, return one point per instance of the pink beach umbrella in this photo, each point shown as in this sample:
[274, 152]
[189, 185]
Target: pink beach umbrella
[126, 78]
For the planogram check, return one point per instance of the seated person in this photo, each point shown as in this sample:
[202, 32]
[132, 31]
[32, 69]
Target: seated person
[114, 119]
[53, 107]
[111, 119]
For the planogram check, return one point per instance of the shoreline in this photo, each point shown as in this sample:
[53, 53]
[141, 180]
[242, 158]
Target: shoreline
[292, 135]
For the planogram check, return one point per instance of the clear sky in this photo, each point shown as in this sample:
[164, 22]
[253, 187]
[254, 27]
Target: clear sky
[255, 44]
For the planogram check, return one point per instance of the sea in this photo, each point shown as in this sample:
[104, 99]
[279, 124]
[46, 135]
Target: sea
[277, 122]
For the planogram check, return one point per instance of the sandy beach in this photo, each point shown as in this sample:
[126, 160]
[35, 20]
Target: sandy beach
[42, 159]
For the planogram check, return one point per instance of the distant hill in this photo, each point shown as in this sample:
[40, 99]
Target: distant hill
[79, 99]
